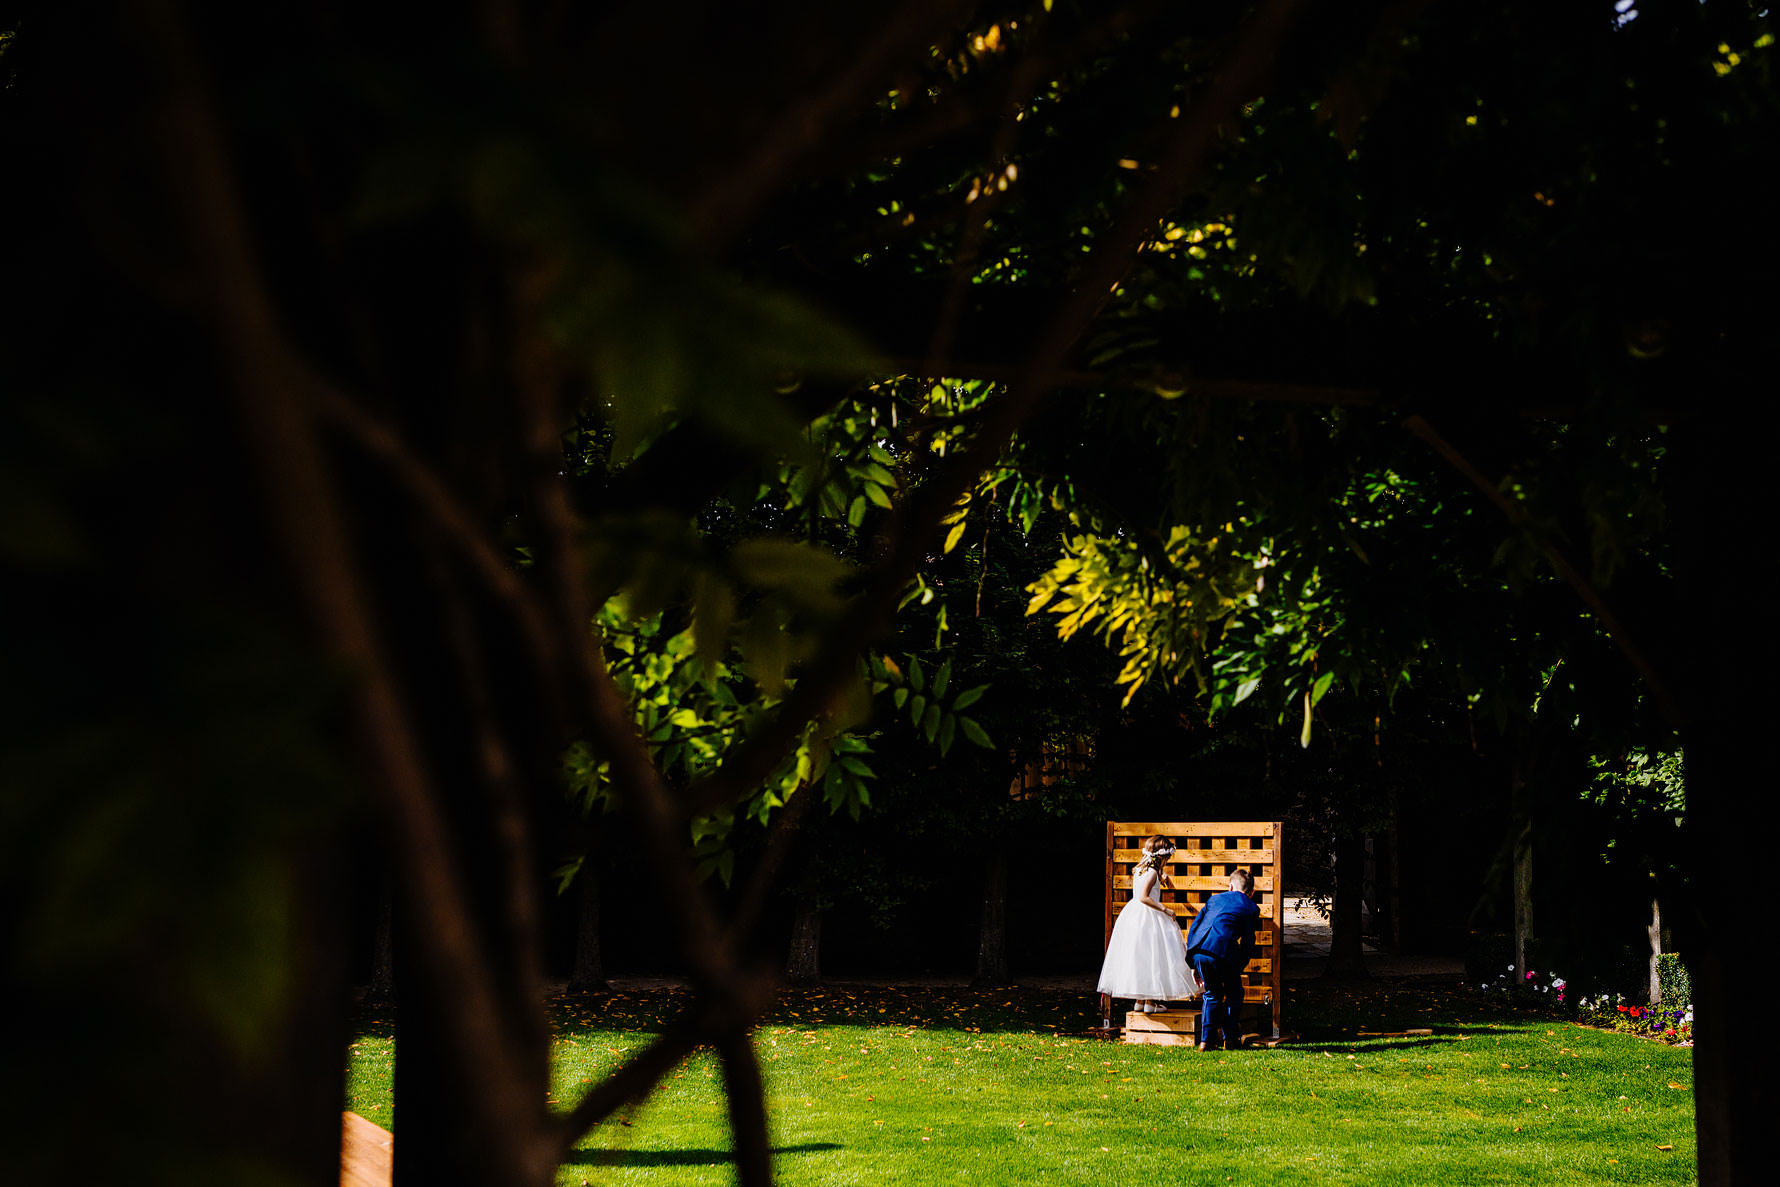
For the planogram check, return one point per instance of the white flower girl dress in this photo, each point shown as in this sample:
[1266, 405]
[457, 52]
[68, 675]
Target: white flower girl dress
[1146, 957]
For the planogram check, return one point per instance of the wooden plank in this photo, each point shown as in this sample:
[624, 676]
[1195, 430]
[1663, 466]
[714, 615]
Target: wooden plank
[1175, 1021]
[367, 1153]
[1160, 1038]
[1262, 828]
[1265, 930]
[1277, 980]
[1106, 923]
[1196, 882]
[1203, 856]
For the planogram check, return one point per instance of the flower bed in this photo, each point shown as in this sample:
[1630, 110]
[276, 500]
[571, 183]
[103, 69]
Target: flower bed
[1670, 1022]
[1613, 1012]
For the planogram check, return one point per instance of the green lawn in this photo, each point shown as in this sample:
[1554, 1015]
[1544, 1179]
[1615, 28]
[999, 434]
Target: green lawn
[913, 1086]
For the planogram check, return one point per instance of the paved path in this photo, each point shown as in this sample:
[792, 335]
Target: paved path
[1307, 950]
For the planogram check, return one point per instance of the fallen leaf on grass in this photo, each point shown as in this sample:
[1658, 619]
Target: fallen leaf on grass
[1666, 1147]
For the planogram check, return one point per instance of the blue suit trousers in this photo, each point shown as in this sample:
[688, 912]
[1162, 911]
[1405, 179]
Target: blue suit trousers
[1220, 1010]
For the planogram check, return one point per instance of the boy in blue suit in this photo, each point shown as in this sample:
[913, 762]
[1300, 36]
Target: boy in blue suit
[1219, 944]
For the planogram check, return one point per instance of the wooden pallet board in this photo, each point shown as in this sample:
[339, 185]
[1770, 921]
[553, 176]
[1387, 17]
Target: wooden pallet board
[367, 1153]
[1207, 853]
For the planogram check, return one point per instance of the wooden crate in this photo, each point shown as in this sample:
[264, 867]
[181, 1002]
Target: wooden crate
[1206, 854]
[1171, 1028]
[1180, 1028]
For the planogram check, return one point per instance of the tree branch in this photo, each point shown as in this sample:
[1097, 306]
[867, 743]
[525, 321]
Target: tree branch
[630, 1082]
[747, 1110]
[506, 801]
[269, 385]
[436, 501]
[709, 1018]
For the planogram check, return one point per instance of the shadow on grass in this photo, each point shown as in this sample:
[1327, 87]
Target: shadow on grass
[679, 1157]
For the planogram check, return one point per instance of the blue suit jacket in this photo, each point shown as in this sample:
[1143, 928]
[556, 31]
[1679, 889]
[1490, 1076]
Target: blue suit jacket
[1224, 928]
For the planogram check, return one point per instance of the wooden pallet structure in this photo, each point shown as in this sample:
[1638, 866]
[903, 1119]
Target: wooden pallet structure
[1207, 853]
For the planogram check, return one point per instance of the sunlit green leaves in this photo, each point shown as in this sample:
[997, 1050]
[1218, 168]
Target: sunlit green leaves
[691, 710]
[935, 718]
[1162, 609]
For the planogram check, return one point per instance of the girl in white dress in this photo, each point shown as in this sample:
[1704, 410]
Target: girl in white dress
[1146, 959]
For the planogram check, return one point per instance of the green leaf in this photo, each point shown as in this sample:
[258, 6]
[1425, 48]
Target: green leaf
[969, 697]
[942, 678]
[917, 678]
[1245, 690]
[955, 535]
[900, 696]
[881, 476]
[948, 726]
[803, 571]
[768, 652]
[565, 874]
[1321, 686]
[917, 709]
[713, 611]
[878, 495]
[975, 733]
[930, 721]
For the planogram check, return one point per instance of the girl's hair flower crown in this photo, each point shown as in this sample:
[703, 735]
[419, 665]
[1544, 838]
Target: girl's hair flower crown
[1153, 859]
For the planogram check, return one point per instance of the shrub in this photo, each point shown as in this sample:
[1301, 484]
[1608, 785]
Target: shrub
[1672, 982]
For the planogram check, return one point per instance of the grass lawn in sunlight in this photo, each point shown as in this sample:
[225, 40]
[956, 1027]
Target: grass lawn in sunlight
[925, 1086]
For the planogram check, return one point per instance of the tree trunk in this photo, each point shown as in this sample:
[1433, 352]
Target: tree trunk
[992, 932]
[1521, 823]
[1347, 951]
[383, 966]
[589, 974]
[1392, 932]
[1725, 469]
[804, 965]
[1654, 994]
